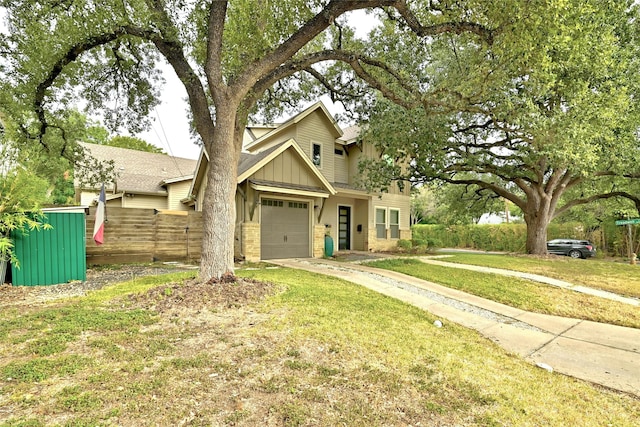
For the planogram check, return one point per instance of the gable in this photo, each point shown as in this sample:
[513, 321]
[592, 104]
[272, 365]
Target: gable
[285, 164]
[287, 168]
[316, 119]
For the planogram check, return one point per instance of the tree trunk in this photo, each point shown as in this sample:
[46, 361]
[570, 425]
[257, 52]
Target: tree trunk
[537, 222]
[218, 205]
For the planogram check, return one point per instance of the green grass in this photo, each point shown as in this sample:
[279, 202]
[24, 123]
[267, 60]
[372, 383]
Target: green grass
[616, 277]
[318, 351]
[519, 293]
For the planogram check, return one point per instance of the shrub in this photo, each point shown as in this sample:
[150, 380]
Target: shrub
[404, 245]
[491, 237]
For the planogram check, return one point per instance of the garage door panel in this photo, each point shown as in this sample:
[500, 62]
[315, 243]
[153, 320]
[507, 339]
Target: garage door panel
[284, 228]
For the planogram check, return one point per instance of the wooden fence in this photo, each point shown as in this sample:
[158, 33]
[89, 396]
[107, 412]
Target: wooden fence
[145, 235]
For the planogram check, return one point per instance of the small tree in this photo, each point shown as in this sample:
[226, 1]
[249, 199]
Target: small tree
[21, 193]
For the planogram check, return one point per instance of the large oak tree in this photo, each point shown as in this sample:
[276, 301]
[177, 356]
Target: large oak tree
[234, 58]
[546, 117]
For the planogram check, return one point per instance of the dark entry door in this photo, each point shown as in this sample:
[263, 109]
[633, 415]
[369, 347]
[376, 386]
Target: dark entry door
[344, 228]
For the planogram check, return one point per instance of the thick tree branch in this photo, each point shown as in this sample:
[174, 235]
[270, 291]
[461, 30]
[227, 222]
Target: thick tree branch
[171, 50]
[69, 56]
[587, 200]
[307, 32]
[500, 191]
[305, 62]
[213, 65]
[324, 19]
[446, 27]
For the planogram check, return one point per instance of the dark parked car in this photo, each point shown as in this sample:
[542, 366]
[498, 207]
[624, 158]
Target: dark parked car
[571, 247]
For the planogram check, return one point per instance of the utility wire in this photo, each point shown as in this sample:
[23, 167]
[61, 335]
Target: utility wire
[166, 142]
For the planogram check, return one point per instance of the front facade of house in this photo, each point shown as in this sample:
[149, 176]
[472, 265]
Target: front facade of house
[298, 181]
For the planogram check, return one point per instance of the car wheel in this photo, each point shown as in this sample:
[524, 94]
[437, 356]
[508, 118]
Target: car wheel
[575, 254]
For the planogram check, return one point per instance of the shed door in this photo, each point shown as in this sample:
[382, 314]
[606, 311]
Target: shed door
[284, 229]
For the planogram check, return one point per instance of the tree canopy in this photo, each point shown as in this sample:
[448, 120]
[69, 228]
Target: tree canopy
[549, 106]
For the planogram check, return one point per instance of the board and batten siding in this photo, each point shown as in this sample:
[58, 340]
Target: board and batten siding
[316, 128]
[278, 138]
[203, 186]
[287, 168]
[393, 201]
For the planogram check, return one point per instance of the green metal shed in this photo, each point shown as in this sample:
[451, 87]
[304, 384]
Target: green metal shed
[57, 255]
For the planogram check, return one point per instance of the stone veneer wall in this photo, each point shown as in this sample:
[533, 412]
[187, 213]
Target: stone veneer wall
[251, 241]
[318, 241]
[376, 244]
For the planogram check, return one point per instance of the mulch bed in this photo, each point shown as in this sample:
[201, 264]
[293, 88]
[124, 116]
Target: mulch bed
[195, 295]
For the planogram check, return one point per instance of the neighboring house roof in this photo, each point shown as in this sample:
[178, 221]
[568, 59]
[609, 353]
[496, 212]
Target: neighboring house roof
[141, 171]
[296, 119]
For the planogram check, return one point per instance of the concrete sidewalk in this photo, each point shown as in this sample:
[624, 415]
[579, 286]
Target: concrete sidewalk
[603, 354]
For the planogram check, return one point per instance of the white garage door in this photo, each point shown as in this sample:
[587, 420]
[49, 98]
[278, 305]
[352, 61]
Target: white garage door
[284, 229]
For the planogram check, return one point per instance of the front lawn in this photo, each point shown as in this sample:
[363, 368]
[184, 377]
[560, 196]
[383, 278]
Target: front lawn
[302, 349]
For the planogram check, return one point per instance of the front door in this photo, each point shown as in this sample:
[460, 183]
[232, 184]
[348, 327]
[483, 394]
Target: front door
[344, 228]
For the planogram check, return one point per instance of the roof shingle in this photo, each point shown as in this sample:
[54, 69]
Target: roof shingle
[140, 171]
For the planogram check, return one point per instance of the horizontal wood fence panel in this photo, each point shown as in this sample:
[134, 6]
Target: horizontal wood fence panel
[145, 235]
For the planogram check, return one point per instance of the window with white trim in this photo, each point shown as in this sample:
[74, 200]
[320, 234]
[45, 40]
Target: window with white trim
[381, 223]
[394, 223]
[316, 154]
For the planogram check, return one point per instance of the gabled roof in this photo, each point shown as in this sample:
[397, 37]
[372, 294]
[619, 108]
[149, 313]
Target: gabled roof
[141, 171]
[250, 163]
[296, 119]
[259, 160]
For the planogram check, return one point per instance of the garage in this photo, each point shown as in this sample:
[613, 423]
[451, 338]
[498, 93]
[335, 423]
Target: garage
[284, 229]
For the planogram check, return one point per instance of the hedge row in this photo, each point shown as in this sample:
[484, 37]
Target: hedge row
[512, 237]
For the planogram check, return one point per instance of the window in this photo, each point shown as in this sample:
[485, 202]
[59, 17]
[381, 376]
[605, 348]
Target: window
[297, 205]
[394, 223]
[338, 151]
[270, 202]
[316, 154]
[381, 223]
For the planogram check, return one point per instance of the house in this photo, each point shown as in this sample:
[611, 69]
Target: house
[144, 180]
[297, 181]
